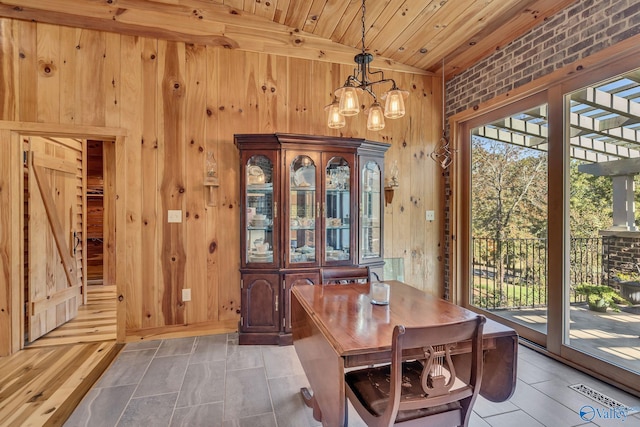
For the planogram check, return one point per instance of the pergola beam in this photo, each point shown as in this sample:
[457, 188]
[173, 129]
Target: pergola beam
[505, 135]
[604, 147]
[588, 152]
[614, 168]
[591, 125]
[603, 151]
[608, 102]
[603, 124]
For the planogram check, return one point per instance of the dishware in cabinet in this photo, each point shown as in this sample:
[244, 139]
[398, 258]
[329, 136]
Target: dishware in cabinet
[260, 209]
[371, 212]
[319, 203]
[338, 223]
[302, 204]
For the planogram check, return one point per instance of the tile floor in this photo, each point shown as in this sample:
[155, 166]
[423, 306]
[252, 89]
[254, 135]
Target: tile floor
[611, 336]
[212, 381]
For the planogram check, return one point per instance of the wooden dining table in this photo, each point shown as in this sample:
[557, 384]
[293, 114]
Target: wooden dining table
[336, 327]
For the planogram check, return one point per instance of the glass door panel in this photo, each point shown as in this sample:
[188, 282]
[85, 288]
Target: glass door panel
[260, 210]
[303, 208]
[509, 218]
[603, 290]
[337, 210]
[371, 209]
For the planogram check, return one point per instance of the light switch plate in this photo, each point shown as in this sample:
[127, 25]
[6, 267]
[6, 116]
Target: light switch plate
[430, 215]
[174, 216]
[186, 295]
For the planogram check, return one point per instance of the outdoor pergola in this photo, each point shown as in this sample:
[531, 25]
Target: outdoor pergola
[604, 132]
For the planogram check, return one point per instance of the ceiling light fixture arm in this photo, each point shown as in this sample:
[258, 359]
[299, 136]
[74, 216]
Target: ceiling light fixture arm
[360, 78]
[358, 82]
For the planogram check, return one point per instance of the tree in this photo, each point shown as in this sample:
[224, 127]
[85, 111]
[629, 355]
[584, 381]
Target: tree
[509, 219]
[590, 202]
[509, 201]
[509, 187]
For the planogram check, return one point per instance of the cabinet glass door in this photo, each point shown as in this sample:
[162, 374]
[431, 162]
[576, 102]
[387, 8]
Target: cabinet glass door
[260, 210]
[337, 210]
[371, 211]
[302, 210]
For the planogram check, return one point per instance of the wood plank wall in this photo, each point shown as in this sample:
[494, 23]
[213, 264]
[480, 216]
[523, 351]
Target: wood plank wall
[178, 102]
[66, 192]
[95, 212]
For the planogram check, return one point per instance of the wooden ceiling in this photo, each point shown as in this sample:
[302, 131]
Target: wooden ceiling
[405, 35]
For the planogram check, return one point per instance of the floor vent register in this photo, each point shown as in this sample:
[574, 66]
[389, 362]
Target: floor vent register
[602, 398]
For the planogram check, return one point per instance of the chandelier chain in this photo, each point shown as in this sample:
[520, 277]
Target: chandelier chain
[363, 26]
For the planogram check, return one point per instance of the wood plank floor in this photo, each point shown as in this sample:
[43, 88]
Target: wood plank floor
[95, 322]
[42, 384]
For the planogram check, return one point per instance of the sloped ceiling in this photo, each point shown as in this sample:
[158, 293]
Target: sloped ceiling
[406, 35]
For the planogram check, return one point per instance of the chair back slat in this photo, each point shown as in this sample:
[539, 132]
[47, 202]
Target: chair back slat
[344, 275]
[405, 338]
[441, 384]
[438, 335]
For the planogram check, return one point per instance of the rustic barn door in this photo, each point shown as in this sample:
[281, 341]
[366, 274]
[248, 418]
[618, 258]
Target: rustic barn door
[55, 208]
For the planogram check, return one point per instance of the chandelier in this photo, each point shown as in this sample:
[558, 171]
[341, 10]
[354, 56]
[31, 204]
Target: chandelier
[346, 102]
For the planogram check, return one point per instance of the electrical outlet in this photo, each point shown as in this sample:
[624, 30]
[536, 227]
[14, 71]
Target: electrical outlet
[174, 216]
[186, 295]
[430, 215]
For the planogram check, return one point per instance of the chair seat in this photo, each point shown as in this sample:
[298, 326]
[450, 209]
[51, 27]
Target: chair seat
[371, 386]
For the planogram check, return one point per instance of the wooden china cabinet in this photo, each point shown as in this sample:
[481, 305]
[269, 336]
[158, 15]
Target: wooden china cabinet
[309, 202]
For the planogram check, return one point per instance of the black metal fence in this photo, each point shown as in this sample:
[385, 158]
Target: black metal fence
[587, 258]
[512, 273]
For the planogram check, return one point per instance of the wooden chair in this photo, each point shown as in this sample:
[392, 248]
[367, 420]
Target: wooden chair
[344, 275]
[422, 391]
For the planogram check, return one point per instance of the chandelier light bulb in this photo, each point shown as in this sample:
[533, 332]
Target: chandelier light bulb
[335, 120]
[394, 105]
[349, 105]
[375, 121]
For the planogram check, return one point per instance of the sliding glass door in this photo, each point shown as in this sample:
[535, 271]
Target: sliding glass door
[603, 164]
[549, 237]
[508, 219]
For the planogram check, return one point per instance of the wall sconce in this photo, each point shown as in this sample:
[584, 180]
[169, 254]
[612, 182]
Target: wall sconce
[211, 177]
[388, 195]
[391, 183]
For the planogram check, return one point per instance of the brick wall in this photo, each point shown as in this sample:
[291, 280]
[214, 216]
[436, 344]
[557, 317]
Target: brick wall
[621, 252]
[580, 30]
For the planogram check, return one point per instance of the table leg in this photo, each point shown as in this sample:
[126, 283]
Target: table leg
[310, 401]
[323, 367]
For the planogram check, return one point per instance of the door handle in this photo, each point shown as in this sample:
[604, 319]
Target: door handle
[76, 241]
